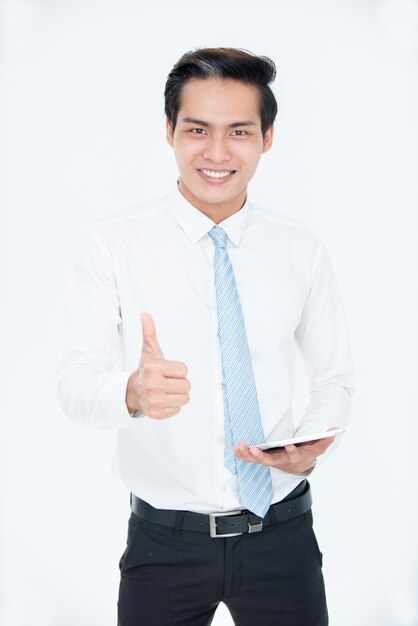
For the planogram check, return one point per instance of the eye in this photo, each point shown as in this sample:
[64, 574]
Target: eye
[197, 131]
[239, 133]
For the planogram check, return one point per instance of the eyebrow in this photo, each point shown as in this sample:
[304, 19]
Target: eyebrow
[192, 120]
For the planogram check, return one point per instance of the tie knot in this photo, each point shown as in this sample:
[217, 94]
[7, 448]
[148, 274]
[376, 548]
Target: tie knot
[218, 236]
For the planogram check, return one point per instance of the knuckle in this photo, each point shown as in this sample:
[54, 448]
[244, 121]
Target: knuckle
[152, 366]
[152, 388]
[148, 377]
[152, 396]
[162, 413]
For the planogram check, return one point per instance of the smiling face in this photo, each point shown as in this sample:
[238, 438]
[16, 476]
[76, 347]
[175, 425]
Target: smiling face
[218, 143]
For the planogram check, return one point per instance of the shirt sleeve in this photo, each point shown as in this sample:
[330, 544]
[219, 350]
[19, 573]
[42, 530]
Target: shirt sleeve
[323, 339]
[90, 384]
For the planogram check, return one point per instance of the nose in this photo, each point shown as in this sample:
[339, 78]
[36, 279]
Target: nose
[217, 149]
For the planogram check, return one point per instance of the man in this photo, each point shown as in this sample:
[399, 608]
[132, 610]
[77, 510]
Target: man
[225, 291]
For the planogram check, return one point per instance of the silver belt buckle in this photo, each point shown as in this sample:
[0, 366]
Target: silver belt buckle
[255, 528]
[212, 524]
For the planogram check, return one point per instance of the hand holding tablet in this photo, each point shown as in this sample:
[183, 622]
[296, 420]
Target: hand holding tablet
[302, 439]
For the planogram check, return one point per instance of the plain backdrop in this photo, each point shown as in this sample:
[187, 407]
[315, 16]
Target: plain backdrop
[82, 136]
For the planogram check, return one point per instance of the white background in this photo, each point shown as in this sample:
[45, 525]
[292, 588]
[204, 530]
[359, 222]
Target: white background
[82, 135]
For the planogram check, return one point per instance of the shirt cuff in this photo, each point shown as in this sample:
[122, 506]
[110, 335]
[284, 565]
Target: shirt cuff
[137, 413]
[111, 400]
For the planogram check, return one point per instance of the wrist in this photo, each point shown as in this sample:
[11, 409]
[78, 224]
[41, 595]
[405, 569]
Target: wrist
[309, 470]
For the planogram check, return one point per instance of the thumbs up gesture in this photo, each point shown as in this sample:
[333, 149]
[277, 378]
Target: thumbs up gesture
[158, 387]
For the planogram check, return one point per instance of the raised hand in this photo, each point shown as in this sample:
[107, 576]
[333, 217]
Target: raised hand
[158, 387]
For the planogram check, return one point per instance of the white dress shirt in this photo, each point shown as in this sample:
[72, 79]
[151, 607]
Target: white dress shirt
[157, 258]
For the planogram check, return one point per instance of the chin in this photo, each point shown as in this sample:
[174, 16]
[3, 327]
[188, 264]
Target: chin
[211, 195]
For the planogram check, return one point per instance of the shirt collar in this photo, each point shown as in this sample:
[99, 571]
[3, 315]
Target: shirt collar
[196, 224]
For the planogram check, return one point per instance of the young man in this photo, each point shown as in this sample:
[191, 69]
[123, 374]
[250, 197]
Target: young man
[224, 291]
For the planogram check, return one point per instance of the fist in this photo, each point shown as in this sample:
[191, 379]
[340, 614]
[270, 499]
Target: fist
[158, 387]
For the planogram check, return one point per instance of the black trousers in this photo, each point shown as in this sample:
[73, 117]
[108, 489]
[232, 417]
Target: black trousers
[173, 577]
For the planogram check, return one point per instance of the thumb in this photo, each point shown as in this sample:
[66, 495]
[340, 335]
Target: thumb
[149, 336]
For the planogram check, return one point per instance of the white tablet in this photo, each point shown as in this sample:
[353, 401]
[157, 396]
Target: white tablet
[299, 440]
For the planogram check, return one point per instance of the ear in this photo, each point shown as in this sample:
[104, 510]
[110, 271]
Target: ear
[268, 139]
[169, 131]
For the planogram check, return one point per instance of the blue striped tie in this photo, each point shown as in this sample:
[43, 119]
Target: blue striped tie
[242, 414]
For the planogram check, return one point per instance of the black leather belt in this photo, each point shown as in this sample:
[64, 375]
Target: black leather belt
[228, 523]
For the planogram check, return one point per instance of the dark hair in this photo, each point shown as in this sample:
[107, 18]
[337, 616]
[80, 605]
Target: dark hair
[233, 63]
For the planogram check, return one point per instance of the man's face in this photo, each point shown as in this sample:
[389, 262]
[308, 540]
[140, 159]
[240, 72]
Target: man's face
[217, 143]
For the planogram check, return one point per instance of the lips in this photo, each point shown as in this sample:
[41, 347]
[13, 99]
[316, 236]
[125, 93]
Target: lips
[216, 176]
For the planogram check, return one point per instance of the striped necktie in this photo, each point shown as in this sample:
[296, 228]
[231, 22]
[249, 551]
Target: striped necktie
[242, 414]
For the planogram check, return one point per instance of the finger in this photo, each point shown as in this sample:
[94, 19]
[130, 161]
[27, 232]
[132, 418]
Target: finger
[258, 456]
[316, 448]
[171, 369]
[170, 401]
[251, 454]
[324, 445]
[162, 413]
[241, 450]
[293, 454]
[241, 446]
[149, 336]
[176, 385]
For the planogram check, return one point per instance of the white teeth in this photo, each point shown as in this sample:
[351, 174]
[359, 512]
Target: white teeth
[214, 174]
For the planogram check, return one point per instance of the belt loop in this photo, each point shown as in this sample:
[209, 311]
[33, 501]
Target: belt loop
[179, 523]
[272, 516]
